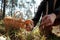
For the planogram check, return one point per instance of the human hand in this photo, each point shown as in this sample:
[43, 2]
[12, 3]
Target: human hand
[48, 20]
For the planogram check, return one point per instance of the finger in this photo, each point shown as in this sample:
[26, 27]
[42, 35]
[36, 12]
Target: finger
[46, 22]
[43, 23]
[50, 21]
[44, 18]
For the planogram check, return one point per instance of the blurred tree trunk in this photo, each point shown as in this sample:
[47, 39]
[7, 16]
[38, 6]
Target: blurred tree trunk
[4, 1]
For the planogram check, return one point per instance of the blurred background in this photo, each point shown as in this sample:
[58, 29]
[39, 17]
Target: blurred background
[25, 9]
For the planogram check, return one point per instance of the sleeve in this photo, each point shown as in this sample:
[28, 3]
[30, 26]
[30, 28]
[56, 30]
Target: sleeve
[38, 13]
[57, 12]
